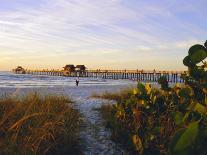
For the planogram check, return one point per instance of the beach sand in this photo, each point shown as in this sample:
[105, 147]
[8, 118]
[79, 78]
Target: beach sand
[94, 137]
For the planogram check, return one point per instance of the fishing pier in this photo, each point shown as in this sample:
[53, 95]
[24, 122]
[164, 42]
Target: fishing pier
[81, 71]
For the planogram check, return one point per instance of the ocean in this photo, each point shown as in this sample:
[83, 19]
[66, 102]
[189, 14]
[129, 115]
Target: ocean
[11, 80]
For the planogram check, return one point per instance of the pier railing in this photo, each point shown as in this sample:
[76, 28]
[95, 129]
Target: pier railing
[138, 75]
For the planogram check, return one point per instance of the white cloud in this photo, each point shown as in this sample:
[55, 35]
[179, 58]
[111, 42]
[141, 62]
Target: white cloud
[69, 29]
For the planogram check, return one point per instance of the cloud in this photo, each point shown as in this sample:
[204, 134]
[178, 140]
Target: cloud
[68, 30]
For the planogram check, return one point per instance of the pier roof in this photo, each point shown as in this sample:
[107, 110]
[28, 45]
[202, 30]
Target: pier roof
[81, 67]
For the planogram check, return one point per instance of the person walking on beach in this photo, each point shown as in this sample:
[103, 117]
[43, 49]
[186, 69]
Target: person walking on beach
[77, 82]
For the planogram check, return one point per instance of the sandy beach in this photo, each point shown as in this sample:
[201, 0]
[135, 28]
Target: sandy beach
[94, 137]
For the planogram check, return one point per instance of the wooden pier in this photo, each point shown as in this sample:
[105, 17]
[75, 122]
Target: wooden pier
[138, 75]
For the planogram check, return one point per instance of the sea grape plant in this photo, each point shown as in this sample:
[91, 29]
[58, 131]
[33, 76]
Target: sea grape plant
[163, 82]
[197, 70]
[192, 137]
[170, 120]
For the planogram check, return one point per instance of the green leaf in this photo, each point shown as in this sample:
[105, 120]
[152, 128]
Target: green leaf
[198, 56]
[178, 117]
[196, 48]
[141, 88]
[187, 139]
[185, 92]
[163, 82]
[191, 106]
[200, 108]
[186, 116]
[174, 141]
[205, 44]
[197, 53]
[188, 62]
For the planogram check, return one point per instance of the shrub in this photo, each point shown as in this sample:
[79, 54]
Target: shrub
[167, 120]
[37, 125]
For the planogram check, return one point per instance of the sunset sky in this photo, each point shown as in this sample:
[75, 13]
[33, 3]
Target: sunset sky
[111, 34]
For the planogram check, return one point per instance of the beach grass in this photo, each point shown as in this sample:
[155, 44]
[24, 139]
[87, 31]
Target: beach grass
[36, 124]
[121, 95]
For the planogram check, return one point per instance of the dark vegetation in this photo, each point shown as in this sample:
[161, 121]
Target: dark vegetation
[38, 125]
[170, 120]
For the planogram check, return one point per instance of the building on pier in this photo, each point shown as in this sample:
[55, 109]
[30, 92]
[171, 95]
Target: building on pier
[80, 70]
[19, 70]
[69, 70]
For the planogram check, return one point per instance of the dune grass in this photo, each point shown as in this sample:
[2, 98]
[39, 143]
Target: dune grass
[116, 96]
[38, 125]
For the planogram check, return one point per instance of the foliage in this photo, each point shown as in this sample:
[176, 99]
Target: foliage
[37, 125]
[197, 74]
[163, 82]
[167, 120]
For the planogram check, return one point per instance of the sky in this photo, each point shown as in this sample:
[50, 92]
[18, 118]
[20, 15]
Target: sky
[105, 34]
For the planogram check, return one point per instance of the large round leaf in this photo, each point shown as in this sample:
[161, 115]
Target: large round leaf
[199, 56]
[188, 62]
[197, 53]
[185, 92]
[187, 139]
[195, 48]
[174, 141]
[205, 44]
[200, 108]
[178, 118]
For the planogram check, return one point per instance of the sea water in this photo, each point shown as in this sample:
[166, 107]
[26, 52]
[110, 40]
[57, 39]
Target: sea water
[11, 80]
